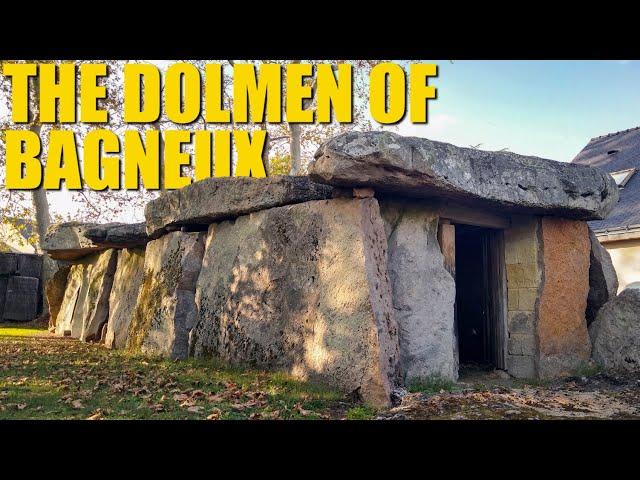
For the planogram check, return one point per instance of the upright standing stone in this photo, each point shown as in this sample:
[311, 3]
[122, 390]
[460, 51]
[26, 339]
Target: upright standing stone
[562, 328]
[424, 292]
[302, 288]
[85, 306]
[54, 291]
[65, 317]
[603, 280]
[166, 310]
[96, 303]
[616, 332]
[124, 296]
[22, 299]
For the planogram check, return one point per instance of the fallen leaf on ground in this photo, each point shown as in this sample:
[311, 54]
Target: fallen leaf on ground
[97, 415]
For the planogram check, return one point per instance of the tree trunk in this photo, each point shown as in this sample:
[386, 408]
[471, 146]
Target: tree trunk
[40, 204]
[295, 148]
[265, 152]
[43, 219]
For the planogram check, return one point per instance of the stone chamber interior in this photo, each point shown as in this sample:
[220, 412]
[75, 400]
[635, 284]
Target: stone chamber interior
[479, 298]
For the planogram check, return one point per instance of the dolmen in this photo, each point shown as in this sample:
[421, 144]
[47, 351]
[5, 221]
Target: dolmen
[395, 260]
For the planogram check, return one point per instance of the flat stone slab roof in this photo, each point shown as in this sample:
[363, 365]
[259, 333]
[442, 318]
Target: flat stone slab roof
[418, 167]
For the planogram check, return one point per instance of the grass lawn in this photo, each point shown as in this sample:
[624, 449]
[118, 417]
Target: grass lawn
[44, 377]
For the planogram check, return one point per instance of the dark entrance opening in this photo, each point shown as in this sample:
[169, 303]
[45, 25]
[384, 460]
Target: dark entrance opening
[479, 273]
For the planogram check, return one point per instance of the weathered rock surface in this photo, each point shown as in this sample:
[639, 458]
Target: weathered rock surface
[119, 235]
[419, 167]
[65, 324]
[165, 311]
[563, 340]
[603, 281]
[215, 199]
[302, 288]
[124, 296]
[424, 292]
[67, 241]
[85, 305]
[96, 304]
[54, 290]
[615, 333]
[74, 240]
[22, 299]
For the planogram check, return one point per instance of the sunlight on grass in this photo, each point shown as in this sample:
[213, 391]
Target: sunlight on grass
[47, 377]
[12, 330]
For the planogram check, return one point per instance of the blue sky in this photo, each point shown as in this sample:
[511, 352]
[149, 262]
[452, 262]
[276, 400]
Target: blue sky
[549, 109]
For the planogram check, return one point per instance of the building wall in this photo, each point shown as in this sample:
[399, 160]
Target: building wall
[524, 284]
[625, 256]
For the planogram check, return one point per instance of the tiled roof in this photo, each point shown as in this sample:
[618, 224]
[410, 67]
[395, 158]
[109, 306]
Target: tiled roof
[612, 153]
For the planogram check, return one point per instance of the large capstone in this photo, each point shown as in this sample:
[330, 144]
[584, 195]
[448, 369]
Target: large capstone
[119, 235]
[419, 167]
[424, 292]
[215, 199]
[67, 241]
[166, 309]
[74, 240]
[615, 333]
[302, 288]
[124, 296]
[603, 280]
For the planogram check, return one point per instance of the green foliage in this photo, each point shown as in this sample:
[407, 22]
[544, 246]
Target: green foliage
[361, 412]
[432, 385]
[587, 369]
[280, 165]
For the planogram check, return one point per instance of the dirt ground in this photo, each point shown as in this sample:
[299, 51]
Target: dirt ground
[491, 396]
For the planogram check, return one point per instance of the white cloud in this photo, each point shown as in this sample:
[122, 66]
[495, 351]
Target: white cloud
[437, 126]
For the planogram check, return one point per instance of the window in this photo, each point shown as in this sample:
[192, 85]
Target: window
[623, 176]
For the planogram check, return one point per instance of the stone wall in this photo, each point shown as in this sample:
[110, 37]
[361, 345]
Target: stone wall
[522, 244]
[547, 261]
[20, 286]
